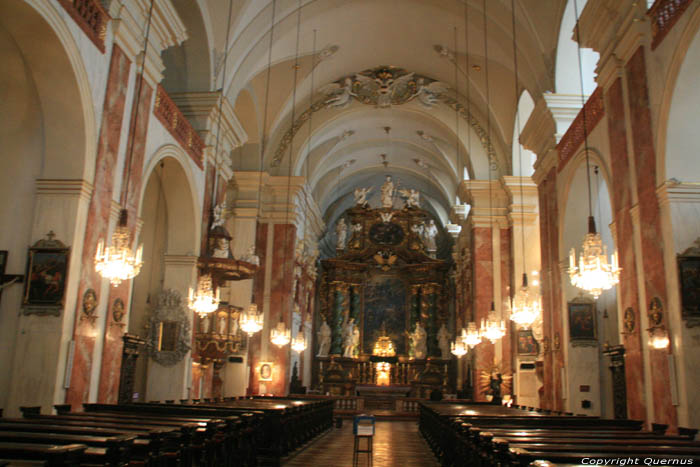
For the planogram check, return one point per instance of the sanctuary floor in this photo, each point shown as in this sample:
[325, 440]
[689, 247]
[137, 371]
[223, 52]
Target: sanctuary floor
[396, 444]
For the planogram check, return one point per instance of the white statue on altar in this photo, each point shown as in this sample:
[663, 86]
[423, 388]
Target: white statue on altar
[355, 341]
[361, 196]
[324, 340]
[348, 338]
[444, 342]
[341, 230]
[429, 236]
[412, 198]
[387, 194]
[419, 342]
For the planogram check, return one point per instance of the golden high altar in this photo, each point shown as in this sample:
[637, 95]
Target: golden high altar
[385, 296]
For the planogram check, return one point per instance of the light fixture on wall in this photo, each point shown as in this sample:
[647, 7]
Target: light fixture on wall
[492, 328]
[251, 320]
[593, 273]
[117, 262]
[526, 304]
[205, 299]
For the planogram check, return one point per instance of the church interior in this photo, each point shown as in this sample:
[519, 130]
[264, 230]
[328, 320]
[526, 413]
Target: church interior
[238, 223]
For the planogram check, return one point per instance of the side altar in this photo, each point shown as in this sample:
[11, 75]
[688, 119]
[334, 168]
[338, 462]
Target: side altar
[385, 301]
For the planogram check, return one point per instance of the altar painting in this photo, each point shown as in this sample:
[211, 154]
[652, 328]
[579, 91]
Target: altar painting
[385, 303]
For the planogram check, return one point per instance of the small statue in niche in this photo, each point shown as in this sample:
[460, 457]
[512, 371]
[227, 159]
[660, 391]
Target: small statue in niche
[444, 342]
[361, 196]
[387, 194]
[324, 340]
[412, 198]
[429, 237]
[348, 339]
[341, 230]
[418, 342]
[356, 235]
[204, 323]
[222, 324]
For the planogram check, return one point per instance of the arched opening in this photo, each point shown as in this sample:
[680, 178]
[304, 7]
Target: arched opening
[45, 134]
[585, 364]
[169, 222]
[525, 169]
[567, 78]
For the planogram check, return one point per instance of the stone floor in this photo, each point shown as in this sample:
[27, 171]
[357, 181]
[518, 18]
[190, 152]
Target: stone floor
[396, 444]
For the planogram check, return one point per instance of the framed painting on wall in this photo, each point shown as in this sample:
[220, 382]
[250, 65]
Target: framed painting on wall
[527, 345]
[265, 371]
[689, 277]
[582, 322]
[45, 284]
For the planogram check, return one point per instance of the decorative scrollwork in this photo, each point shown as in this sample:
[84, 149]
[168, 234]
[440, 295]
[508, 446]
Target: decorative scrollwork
[169, 309]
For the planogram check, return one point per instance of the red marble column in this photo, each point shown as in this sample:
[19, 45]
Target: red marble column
[281, 299]
[650, 227]
[551, 293]
[254, 342]
[483, 296]
[97, 225]
[627, 288]
[506, 290]
[113, 343]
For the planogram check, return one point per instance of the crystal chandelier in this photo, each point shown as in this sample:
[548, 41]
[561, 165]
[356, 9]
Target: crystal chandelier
[473, 337]
[459, 346]
[250, 320]
[280, 335]
[526, 305]
[299, 342]
[204, 300]
[117, 262]
[593, 273]
[492, 328]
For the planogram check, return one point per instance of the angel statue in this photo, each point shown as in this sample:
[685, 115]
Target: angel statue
[341, 229]
[324, 339]
[427, 94]
[340, 95]
[361, 196]
[219, 218]
[412, 198]
[387, 193]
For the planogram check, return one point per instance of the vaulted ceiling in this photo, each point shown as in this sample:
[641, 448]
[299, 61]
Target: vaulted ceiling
[339, 149]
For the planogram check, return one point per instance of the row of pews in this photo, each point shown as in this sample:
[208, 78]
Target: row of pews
[483, 435]
[230, 433]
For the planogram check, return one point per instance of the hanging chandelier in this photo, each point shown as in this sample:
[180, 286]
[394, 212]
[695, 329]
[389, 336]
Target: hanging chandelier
[459, 346]
[526, 305]
[473, 337]
[204, 300]
[492, 328]
[299, 342]
[251, 321]
[117, 262]
[593, 272]
[280, 335]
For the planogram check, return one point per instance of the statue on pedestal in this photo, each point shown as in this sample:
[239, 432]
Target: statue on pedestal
[419, 342]
[324, 340]
[348, 338]
[387, 194]
[444, 342]
[341, 229]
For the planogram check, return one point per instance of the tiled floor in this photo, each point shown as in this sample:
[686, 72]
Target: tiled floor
[396, 444]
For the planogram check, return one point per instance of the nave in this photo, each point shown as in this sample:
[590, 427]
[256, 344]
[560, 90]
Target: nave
[396, 443]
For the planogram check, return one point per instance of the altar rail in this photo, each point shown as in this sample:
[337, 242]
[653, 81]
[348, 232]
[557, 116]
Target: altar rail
[664, 14]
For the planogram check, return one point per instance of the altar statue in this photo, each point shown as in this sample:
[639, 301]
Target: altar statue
[444, 342]
[429, 236]
[418, 342]
[387, 193]
[341, 229]
[324, 340]
[348, 339]
[412, 198]
[361, 196]
[356, 342]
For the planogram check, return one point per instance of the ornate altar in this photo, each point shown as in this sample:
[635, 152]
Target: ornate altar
[385, 298]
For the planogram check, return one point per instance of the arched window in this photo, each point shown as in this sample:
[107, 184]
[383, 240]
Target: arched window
[566, 77]
[525, 108]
